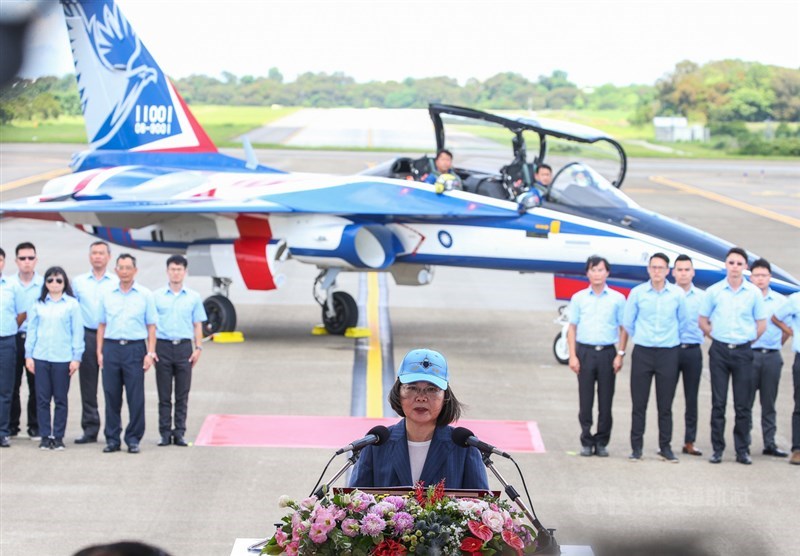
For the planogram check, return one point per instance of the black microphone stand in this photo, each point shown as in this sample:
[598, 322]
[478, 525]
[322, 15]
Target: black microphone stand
[351, 461]
[545, 540]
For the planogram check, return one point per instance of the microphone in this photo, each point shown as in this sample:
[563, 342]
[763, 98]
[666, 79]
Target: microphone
[376, 435]
[464, 437]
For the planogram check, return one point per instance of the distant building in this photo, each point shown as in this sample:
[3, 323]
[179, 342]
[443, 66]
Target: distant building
[672, 129]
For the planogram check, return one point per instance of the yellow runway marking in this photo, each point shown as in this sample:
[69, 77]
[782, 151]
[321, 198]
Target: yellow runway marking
[772, 215]
[33, 179]
[375, 352]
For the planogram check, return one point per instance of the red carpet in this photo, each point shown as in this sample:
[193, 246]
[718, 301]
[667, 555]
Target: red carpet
[303, 431]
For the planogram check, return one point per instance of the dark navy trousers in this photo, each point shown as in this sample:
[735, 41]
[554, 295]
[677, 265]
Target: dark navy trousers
[646, 363]
[766, 378]
[8, 358]
[52, 383]
[734, 365]
[122, 369]
[796, 413]
[690, 367]
[173, 366]
[597, 367]
[88, 376]
[16, 400]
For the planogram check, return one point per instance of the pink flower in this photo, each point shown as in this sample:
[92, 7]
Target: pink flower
[292, 549]
[494, 520]
[350, 527]
[480, 530]
[397, 501]
[372, 525]
[281, 537]
[309, 503]
[382, 508]
[318, 533]
[403, 522]
[513, 540]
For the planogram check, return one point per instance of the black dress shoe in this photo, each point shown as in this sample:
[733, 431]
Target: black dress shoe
[110, 448]
[165, 441]
[744, 459]
[133, 449]
[86, 440]
[716, 457]
[668, 455]
[775, 451]
[179, 441]
[5, 442]
[601, 451]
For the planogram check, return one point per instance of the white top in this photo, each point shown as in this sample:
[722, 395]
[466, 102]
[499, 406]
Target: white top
[417, 453]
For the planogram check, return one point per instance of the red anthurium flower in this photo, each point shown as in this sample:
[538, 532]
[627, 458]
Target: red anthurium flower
[471, 545]
[389, 547]
[480, 530]
[513, 540]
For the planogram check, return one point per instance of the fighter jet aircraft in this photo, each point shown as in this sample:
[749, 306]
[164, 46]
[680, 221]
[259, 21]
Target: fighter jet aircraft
[153, 180]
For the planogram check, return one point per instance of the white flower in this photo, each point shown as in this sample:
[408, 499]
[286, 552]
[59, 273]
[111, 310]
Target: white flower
[494, 520]
[284, 501]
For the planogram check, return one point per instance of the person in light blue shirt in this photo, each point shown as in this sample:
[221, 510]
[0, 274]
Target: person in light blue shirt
[180, 325]
[11, 307]
[53, 350]
[690, 356]
[595, 327]
[29, 283]
[126, 338]
[767, 360]
[654, 314]
[89, 289]
[733, 314]
[787, 318]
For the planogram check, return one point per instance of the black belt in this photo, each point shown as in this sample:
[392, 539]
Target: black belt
[733, 346]
[765, 350]
[22, 335]
[87, 329]
[689, 346]
[174, 342]
[597, 348]
[123, 342]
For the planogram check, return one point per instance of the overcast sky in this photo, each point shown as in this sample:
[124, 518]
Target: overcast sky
[595, 42]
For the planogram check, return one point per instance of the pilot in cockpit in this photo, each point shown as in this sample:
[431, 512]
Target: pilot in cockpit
[443, 164]
[543, 177]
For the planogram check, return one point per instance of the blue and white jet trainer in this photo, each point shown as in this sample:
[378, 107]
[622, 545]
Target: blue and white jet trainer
[153, 180]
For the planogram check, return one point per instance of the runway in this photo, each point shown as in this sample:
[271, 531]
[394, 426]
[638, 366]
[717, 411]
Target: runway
[496, 330]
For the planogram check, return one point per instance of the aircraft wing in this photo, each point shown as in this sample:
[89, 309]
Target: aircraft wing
[145, 196]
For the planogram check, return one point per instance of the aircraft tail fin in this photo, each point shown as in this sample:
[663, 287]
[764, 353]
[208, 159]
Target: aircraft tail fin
[127, 101]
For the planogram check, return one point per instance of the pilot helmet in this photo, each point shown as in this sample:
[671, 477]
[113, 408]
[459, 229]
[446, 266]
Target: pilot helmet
[447, 182]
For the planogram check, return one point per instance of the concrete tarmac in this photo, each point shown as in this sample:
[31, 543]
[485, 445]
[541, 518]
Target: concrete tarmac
[496, 330]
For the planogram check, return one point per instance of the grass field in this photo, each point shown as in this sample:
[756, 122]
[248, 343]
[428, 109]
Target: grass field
[225, 124]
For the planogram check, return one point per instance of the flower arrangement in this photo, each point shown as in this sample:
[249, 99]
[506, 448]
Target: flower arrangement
[425, 521]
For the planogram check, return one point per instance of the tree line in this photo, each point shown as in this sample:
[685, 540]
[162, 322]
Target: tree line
[715, 93]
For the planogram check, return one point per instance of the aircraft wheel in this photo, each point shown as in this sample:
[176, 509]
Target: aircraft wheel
[346, 314]
[221, 315]
[561, 349]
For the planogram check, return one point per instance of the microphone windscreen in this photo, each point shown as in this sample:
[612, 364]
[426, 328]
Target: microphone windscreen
[460, 436]
[381, 432]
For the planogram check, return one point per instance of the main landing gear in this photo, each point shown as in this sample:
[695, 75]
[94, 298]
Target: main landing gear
[219, 309]
[339, 309]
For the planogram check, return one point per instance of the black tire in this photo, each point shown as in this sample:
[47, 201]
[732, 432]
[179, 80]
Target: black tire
[221, 315]
[346, 316]
[559, 345]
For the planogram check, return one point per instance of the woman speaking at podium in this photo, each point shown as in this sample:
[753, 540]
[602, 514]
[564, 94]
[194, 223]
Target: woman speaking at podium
[420, 447]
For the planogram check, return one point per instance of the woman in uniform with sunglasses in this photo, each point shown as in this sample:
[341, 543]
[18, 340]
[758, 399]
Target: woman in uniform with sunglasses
[53, 350]
[420, 447]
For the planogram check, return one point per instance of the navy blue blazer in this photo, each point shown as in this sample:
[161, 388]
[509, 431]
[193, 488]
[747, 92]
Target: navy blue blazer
[388, 465]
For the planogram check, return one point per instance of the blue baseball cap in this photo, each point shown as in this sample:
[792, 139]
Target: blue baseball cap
[424, 364]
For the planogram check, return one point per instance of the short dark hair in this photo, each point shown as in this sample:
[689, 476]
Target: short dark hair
[124, 548]
[595, 260]
[127, 256]
[179, 260]
[24, 245]
[55, 271]
[761, 263]
[540, 166]
[736, 251]
[683, 257]
[444, 151]
[451, 410]
[100, 242]
[2, 253]
[659, 255]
